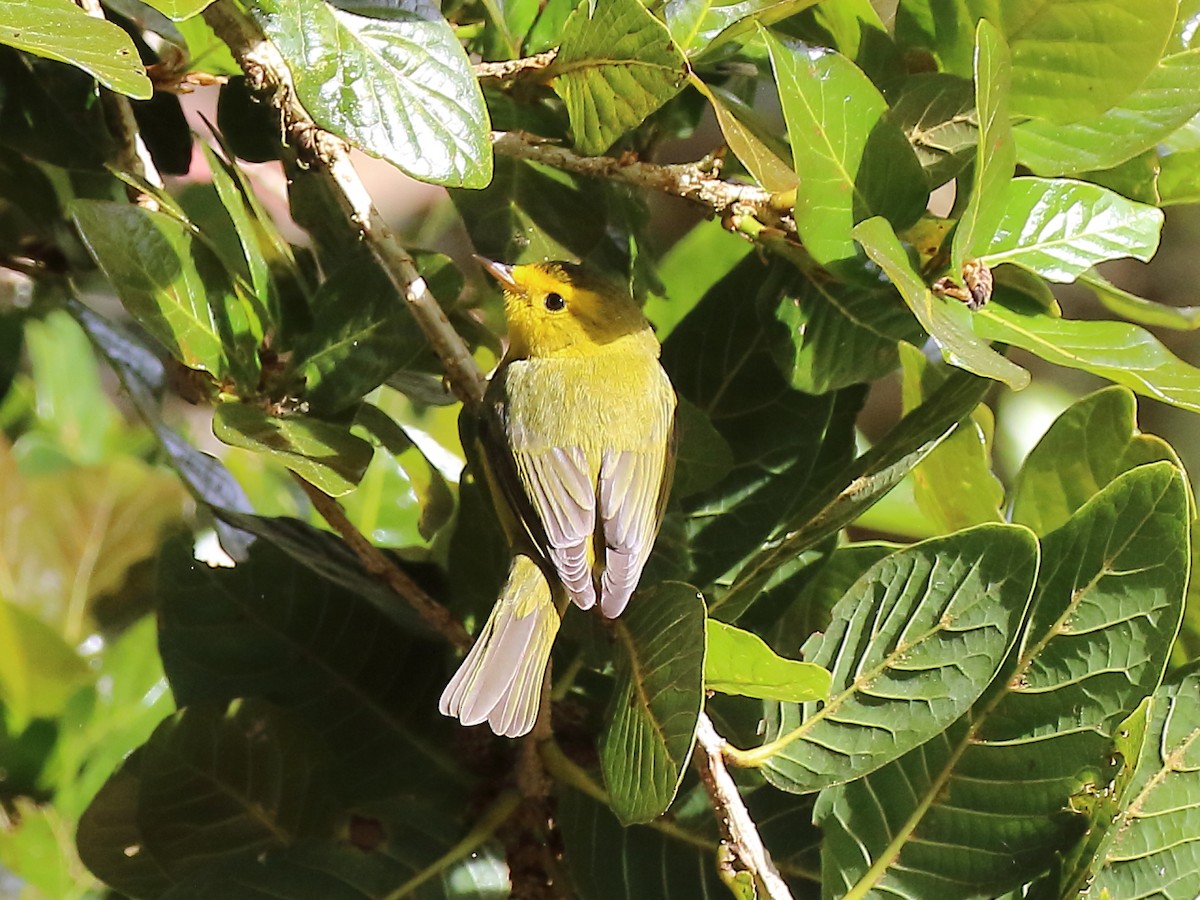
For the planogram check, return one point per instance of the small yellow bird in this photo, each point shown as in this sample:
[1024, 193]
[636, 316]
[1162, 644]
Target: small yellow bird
[578, 431]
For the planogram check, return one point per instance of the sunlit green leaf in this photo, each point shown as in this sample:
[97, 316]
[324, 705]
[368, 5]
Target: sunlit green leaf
[949, 322]
[614, 68]
[852, 161]
[1138, 309]
[59, 29]
[391, 78]
[740, 662]
[1060, 228]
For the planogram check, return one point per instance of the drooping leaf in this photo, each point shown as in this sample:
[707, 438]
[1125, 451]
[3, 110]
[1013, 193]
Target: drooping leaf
[325, 454]
[657, 699]
[1138, 309]
[58, 29]
[1089, 445]
[1118, 351]
[1060, 228]
[910, 647]
[38, 669]
[1168, 97]
[852, 161]
[949, 322]
[772, 172]
[391, 78]
[273, 628]
[784, 442]
[995, 153]
[740, 662]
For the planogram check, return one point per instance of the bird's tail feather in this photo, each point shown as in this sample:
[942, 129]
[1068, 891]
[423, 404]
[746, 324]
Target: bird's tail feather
[500, 680]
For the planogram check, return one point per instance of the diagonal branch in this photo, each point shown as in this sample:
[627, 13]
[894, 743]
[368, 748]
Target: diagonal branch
[746, 852]
[329, 156]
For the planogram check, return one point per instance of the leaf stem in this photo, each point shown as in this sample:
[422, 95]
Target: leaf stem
[511, 68]
[739, 833]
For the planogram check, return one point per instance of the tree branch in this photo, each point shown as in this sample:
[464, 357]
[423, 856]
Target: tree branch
[740, 835]
[513, 67]
[689, 180]
[328, 155]
[377, 563]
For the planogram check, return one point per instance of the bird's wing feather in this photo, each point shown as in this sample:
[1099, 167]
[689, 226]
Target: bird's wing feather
[558, 483]
[634, 485]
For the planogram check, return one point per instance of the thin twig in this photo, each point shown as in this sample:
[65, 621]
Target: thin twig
[511, 68]
[738, 831]
[687, 180]
[377, 564]
[132, 155]
[328, 155]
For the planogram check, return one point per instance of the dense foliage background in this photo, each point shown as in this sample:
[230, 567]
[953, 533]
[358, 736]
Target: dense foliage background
[216, 681]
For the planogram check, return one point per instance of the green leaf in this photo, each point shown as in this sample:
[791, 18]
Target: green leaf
[38, 669]
[1122, 353]
[954, 485]
[1163, 102]
[852, 161]
[531, 213]
[366, 687]
[1155, 833]
[1179, 178]
[58, 29]
[1090, 444]
[840, 334]
[1138, 309]
[695, 23]
[855, 487]
[696, 262]
[391, 79]
[703, 457]
[174, 285]
[210, 783]
[613, 69]
[1060, 228]
[325, 454]
[656, 701]
[178, 10]
[911, 646]
[740, 662]
[361, 333]
[949, 322]
[752, 152]
[1073, 61]
[784, 442]
[936, 112]
[995, 154]
[983, 804]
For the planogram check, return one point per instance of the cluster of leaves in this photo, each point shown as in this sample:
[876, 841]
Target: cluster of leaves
[982, 707]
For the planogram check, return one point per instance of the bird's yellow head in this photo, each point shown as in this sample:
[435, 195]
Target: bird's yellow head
[560, 309]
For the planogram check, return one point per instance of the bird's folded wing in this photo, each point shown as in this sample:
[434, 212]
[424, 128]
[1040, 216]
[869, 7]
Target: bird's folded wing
[560, 486]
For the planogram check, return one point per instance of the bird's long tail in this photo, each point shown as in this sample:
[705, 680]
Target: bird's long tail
[500, 680]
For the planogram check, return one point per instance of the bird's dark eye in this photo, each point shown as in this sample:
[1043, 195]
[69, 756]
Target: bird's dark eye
[555, 302]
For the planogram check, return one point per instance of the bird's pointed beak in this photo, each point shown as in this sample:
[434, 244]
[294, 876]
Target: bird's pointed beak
[502, 272]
